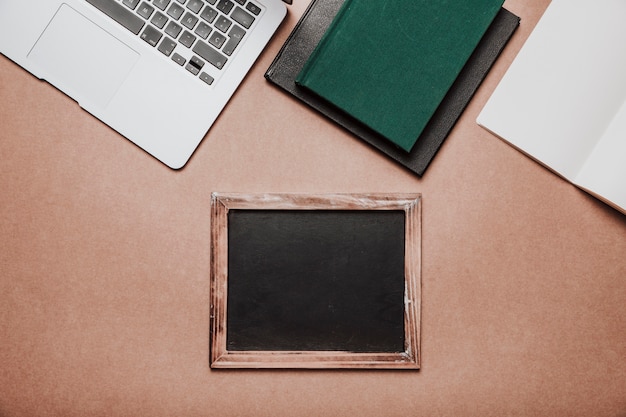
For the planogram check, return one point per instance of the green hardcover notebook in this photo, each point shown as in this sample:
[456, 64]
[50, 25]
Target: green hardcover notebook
[390, 63]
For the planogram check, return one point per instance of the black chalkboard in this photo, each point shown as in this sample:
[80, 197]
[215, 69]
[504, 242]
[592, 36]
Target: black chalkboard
[315, 281]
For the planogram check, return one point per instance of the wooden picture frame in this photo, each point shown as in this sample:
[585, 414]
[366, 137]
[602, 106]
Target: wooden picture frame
[252, 258]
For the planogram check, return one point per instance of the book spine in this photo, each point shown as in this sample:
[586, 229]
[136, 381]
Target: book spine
[328, 35]
[270, 71]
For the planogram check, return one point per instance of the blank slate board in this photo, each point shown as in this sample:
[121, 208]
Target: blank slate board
[315, 281]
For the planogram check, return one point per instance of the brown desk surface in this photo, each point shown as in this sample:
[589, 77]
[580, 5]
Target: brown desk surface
[105, 257]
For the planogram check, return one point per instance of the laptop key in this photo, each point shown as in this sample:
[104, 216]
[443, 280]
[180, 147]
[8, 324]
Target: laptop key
[119, 13]
[151, 35]
[235, 35]
[206, 78]
[175, 11]
[161, 4]
[223, 24]
[253, 8]
[210, 54]
[145, 10]
[192, 69]
[173, 29]
[167, 46]
[187, 39]
[225, 6]
[209, 14]
[178, 59]
[195, 65]
[131, 3]
[217, 39]
[189, 20]
[159, 20]
[242, 17]
[203, 30]
[195, 5]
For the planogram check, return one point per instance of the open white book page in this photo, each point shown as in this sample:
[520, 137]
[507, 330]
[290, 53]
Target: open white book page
[604, 173]
[565, 86]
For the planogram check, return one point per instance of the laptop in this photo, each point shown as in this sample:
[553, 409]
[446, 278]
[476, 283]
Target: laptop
[157, 71]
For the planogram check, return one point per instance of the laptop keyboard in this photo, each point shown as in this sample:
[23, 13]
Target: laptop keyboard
[191, 33]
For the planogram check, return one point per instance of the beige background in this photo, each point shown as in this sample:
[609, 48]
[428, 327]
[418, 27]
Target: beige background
[104, 260]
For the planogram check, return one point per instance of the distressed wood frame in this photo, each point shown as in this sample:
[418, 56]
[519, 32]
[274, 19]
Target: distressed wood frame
[221, 357]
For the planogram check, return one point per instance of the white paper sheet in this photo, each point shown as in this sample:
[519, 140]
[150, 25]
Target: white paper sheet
[561, 101]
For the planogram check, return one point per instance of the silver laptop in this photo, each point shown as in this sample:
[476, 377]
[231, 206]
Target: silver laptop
[157, 71]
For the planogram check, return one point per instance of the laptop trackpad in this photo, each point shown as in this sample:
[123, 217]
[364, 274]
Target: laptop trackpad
[81, 59]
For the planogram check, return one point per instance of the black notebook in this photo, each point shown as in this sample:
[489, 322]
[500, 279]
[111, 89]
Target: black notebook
[310, 29]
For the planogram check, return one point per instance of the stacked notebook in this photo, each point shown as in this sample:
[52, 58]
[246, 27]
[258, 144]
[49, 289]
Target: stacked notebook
[396, 76]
